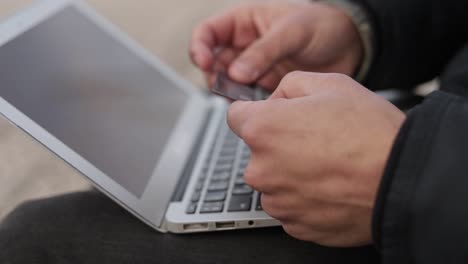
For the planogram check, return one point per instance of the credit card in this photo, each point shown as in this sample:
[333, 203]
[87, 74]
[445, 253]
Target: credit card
[235, 91]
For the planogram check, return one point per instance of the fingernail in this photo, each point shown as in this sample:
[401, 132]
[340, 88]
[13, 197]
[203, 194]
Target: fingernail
[244, 71]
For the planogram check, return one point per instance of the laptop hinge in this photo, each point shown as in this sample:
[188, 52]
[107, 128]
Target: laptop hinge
[185, 177]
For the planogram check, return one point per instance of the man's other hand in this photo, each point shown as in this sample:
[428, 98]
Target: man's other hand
[262, 42]
[319, 147]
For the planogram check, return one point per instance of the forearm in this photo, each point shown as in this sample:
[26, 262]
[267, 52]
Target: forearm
[420, 216]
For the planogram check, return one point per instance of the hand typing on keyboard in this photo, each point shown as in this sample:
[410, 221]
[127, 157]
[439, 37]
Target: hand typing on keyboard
[318, 165]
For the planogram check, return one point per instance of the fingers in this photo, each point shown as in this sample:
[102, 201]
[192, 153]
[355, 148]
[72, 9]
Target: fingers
[270, 81]
[223, 59]
[238, 114]
[293, 85]
[234, 29]
[265, 52]
[237, 30]
[214, 32]
[253, 121]
[300, 84]
[245, 31]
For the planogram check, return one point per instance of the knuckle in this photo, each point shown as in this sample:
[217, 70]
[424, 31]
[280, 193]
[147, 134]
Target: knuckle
[292, 84]
[293, 76]
[274, 209]
[252, 177]
[269, 206]
[251, 133]
[254, 127]
[293, 80]
[290, 81]
[337, 77]
[237, 117]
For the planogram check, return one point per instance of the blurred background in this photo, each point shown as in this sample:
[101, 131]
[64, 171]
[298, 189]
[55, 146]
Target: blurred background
[28, 170]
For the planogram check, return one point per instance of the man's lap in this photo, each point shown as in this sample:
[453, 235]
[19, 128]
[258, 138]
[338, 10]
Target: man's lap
[89, 228]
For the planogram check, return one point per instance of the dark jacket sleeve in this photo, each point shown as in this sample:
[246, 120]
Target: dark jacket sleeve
[415, 39]
[421, 213]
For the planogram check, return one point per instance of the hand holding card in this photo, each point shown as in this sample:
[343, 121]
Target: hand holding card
[237, 91]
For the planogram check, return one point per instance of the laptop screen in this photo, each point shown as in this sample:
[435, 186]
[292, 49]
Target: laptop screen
[93, 94]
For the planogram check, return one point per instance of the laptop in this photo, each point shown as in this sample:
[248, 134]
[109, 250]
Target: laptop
[148, 139]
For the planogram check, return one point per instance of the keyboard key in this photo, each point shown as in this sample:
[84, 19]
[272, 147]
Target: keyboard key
[206, 166]
[240, 172]
[195, 197]
[215, 196]
[230, 143]
[242, 189]
[228, 152]
[218, 186]
[239, 181]
[246, 153]
[221, 176]
[244, 163]
[202, 178]
[225, 160]
[215, 207]
[199, 185]
[230, 134]
[259, 207]
[240, 203]
[191, 208]
[223, 167]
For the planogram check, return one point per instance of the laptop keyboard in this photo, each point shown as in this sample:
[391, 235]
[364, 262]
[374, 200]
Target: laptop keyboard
[221, 186]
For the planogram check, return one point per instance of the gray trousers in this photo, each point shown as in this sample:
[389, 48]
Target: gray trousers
[89, 228]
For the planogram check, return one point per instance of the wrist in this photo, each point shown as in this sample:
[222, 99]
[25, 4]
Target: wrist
[363, 26]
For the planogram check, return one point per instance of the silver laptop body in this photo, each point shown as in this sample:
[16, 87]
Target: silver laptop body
[142, 135]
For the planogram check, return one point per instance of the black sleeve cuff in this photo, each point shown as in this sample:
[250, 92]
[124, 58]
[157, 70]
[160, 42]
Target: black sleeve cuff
[391, 220]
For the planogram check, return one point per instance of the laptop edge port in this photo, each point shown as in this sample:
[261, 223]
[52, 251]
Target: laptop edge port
[225, 225]
[196, 227]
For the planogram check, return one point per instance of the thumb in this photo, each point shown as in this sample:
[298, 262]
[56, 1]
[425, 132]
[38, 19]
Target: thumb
[278, 43]
[238, 114]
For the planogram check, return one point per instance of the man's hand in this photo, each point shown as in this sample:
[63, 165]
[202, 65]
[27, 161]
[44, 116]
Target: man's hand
[319, 147]
[264, 41]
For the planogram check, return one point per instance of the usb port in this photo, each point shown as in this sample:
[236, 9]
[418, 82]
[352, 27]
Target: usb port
[225, 225]
[196, 227]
